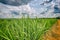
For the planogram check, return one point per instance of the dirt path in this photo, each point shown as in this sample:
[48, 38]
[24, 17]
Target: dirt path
[53, 33]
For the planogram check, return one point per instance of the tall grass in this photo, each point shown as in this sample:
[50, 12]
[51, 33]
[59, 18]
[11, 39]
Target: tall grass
[24, 29]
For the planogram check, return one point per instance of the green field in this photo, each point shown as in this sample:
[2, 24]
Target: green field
[24, 28]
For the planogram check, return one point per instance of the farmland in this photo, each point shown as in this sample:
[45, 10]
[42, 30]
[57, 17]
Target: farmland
[24, 28]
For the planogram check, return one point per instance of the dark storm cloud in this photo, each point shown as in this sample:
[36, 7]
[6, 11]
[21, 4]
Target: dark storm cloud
[47, 1]
[15, 2]
[15, 12]
[56, 9]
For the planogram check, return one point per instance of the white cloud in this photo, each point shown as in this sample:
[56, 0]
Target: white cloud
[6, 11]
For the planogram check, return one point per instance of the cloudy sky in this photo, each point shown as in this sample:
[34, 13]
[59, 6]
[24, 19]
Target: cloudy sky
[31, 8]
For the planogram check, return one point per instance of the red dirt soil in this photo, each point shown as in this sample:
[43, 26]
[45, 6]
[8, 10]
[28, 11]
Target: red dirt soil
[53, 33]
